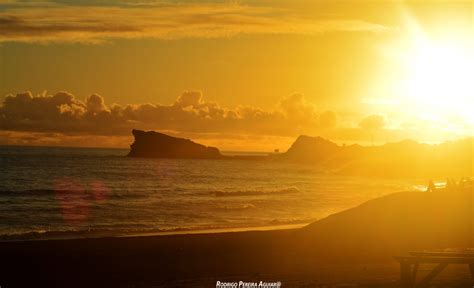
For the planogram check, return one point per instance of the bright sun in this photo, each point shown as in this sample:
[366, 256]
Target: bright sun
[439, 78]
[425, 84]
[429, 83]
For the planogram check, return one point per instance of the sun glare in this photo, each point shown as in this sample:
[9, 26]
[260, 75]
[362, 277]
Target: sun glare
[439, 78]
[430, 79]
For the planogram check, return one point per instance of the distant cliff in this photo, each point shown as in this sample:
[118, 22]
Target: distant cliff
[310, 150]
[406, 158]
[158, 145]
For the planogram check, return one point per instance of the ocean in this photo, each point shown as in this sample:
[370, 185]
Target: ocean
[48, 192]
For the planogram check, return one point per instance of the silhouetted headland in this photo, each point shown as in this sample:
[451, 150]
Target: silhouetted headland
[151, 144]
[405, 158]
[158, 145]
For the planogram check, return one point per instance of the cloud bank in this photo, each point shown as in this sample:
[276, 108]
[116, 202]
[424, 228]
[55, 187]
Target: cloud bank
[63, 119]
[56, 22]
[64, 113]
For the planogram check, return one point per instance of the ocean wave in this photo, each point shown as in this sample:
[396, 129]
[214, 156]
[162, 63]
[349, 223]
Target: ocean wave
[109, 193]
[237, 206]
[144, 193]
[280, 191]
[114, 232]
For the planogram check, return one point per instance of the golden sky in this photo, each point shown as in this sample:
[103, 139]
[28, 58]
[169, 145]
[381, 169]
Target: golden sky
[242, 75]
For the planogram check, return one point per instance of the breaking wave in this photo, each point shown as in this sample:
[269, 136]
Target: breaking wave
[287, 190]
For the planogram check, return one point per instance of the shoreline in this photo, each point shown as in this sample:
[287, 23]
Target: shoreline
[43, 236]
[220, 230]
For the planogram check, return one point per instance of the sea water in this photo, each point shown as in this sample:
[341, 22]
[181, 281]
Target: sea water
[86, 192]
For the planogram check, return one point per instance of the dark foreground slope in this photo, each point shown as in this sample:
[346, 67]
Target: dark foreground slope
[397, 223]
[158, 145]
[354, 246]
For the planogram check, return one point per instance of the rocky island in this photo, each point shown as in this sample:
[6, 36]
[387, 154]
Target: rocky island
[158, 145]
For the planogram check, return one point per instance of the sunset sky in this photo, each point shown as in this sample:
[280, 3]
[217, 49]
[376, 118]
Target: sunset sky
[240, 75]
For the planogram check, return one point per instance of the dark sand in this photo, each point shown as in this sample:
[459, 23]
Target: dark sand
[200, 259]
[354, 248]
[197, 260]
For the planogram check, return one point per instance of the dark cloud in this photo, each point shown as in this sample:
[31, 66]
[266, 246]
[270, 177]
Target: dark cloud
[89, 21]
[65, 113]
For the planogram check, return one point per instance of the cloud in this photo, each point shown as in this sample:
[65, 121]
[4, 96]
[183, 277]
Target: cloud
[190, 99]
[65, 113]
[59, 22]
[64, 119]
[372, 122]
[95, 104]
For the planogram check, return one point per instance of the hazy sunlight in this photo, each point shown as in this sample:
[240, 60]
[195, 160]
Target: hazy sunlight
[439, 79]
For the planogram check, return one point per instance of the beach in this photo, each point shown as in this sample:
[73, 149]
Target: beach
[112, 221]
[200, 260]
[191, 260]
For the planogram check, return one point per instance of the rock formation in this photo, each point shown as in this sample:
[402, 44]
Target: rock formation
[158, 145]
